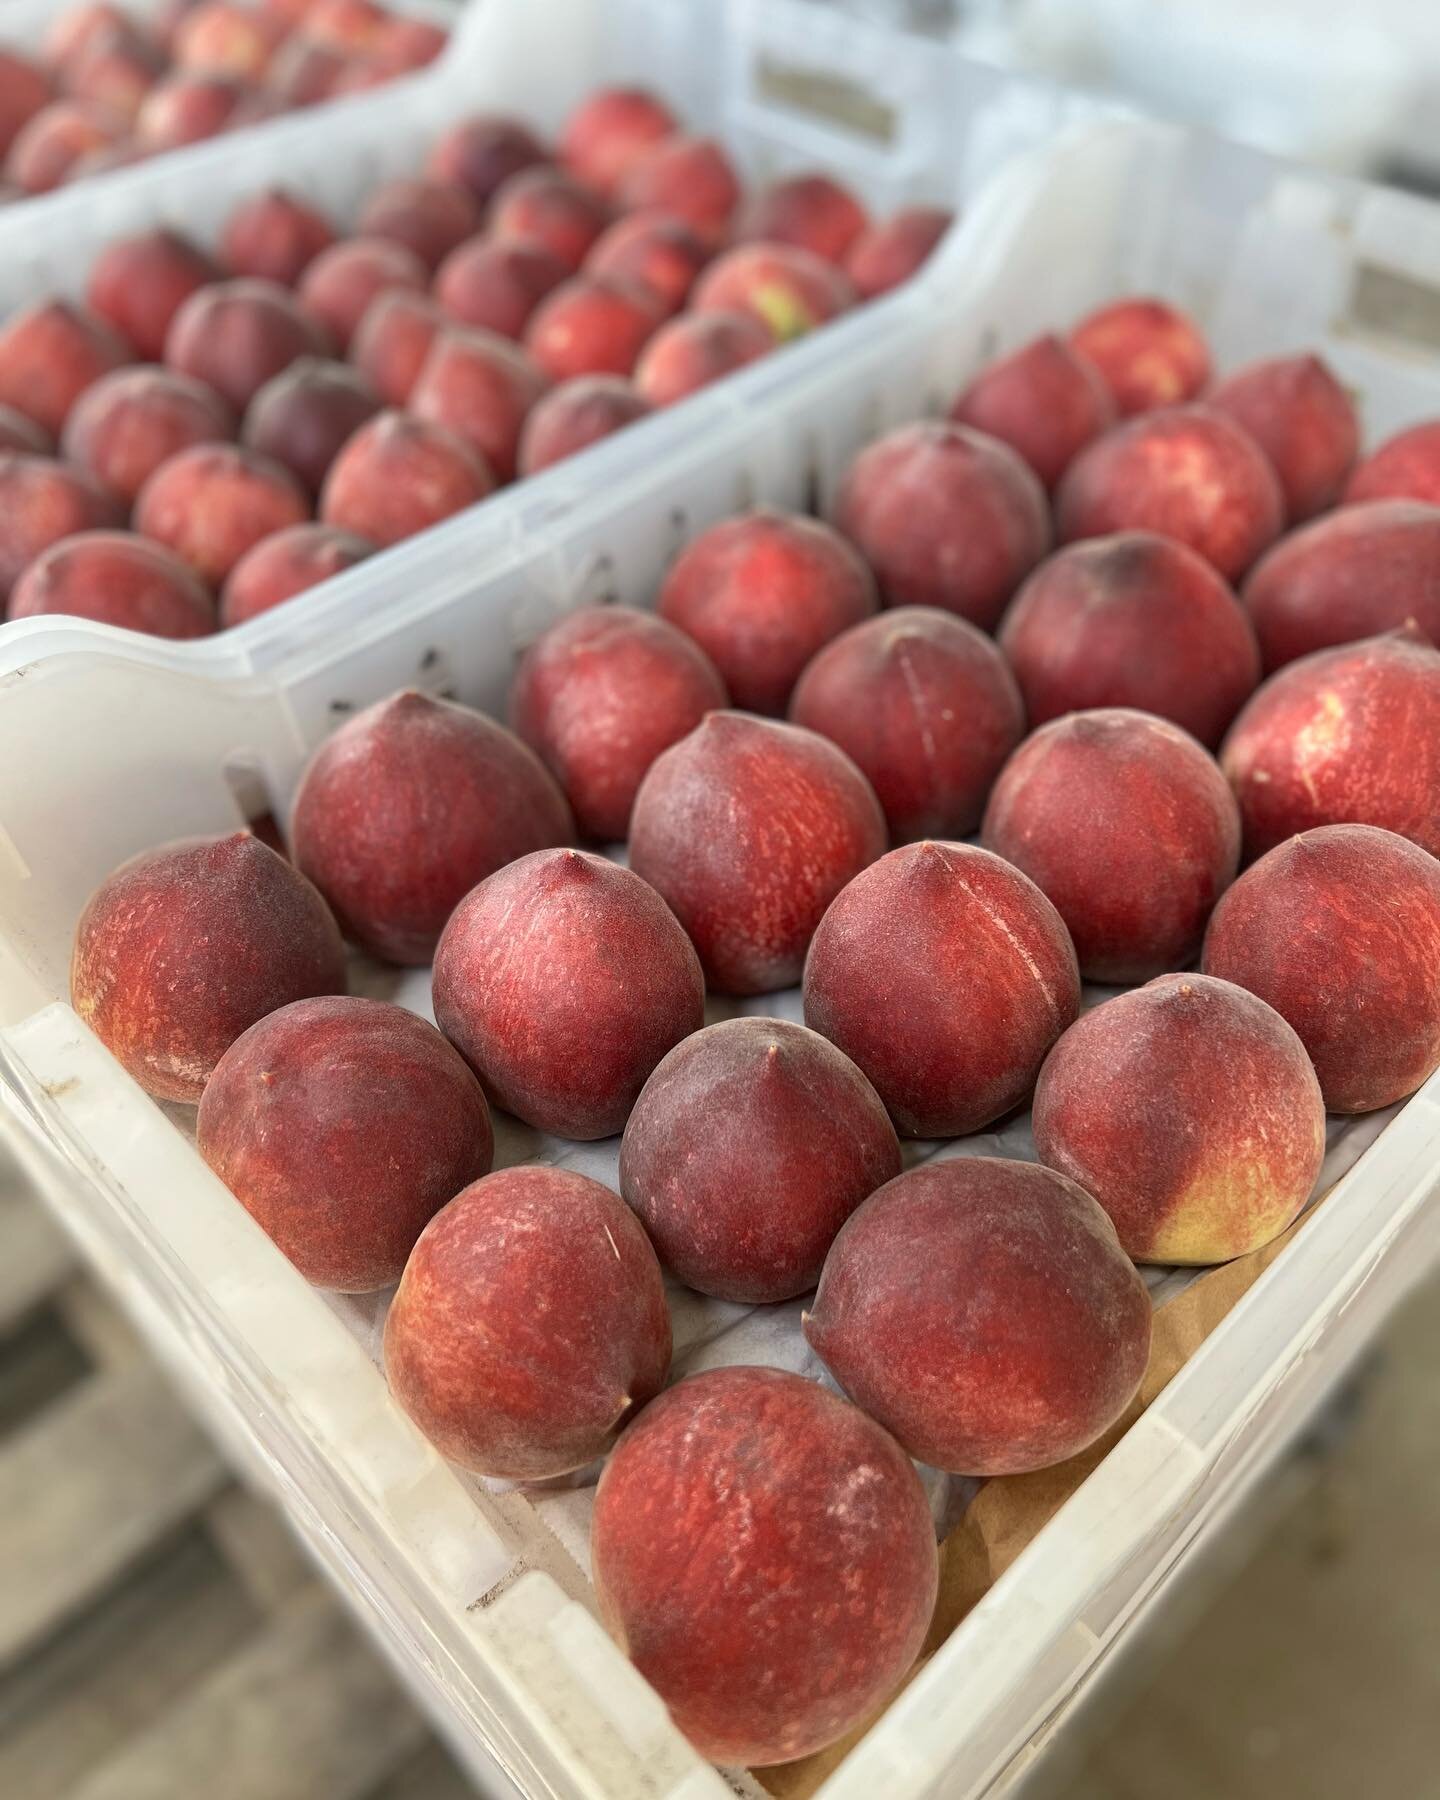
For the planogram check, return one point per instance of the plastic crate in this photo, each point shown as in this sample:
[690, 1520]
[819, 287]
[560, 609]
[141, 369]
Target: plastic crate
[112, 744]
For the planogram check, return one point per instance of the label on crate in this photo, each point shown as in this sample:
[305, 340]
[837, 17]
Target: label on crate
[1385, 303]
[822, 94]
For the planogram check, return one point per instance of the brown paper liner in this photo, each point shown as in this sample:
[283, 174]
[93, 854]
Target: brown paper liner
[1010, 1509]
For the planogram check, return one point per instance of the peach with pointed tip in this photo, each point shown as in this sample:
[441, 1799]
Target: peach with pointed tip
[49, 354]
[786, 289]
[890, 252]
[1304, 421]
[611, 130]
[1043, 400]
[1404, 467]
[1149, 353]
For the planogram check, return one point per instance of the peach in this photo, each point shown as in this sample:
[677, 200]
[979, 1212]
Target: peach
[575, 415]
[285, 564]
[497, 283]
[49, 354]
[812, 212]
[761, 594]
[563, 980]
[19, 433]
[945, 975]
[1190, 1169]
[115, 578]
[305, 415]
[430, 218]
[24, 91]
[1304, 421]
[274, 236]
[213, 502]
[1044, 401]
[1160, 840]
[137, 285]
[109, 156]
[610, 131]
[748, 1149]
[547, 206]
[946, 517]
[224, 37]
[1405, 467]
[405, 44]
[392, 341]
[79, 29]
[728, 1523]
[1188, 472]
[50, 143]
[339, 285]
[749, 829]
[353, 27]
[696, 349]
[587, 326]
[342, 1127]
[184, 947]
[124, 426]
[1148, 352]
[985, 1313]
[303, 73]
[116, 76]
[1363, 570]
[42, 501]
[651, 250]
[483, 152]
[889, 253]
[471, 1345]
[1346, 736]
[1132, 620]
[925, 706]
[399, 475]
[787, 289]
[237, 335]
[406, 807]
[1339, 930]
[598, 697]
[691, 178]
[480, 386]
[185, 109]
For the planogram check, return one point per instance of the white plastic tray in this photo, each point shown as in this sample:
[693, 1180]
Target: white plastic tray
[109, 744]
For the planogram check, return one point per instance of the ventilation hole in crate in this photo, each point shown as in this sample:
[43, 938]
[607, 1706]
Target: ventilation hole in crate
[251, 794]
[680, 528]
[598, 584]
[341, 709]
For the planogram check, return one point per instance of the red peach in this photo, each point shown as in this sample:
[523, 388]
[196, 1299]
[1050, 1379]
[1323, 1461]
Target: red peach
[430, 218]
[238, 334]
[116, 579]
[124, 426]
[342, 1127]
[610, 131]
[925, 706]
[213, 502]
[590, 327]
[811, 212]
[1346, 736]
[80, 28]
[224, 37]
[353, 27]
[41, 502]
[1132, 620]
[730, 1521]
[946, 975]
[116, 76]
[696, 349]
[575, 415]
[24, 91]
[137, 284]
[1149, 353]
[184, 947]
[392, 341]
[471, 1345]
[274, 236]
[734, 1118]
[688, 177]
[406, 44]
[19, 433]
[303, 73]
[399, 475]
[1405, 467]
[166, 19]
[481, 386]
[1188, 472]
[1304, 421]
[762, 593]
[749, 829]
[53, 140]
[481, 153]
[185, 109]
[1339, 930]
[406, 807]
[787, 289]
[547, 206]
[984, 1312]
[286, 564]
[303, 417]
[1044, 401]
[563, 980]
[497, 284]
[1190, 1169]
[650, 250]
[358, 75]
[946, 517]
[889, 253]
[340, 284]
[49, 354]
[599, 696]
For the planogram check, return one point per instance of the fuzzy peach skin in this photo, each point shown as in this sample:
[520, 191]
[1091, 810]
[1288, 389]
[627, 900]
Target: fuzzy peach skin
[571, 417]
[42, 502]
[286, 564]
[659, 252]
[689, 177]
[1149, 353]
[116, 578]
[274, 236]
[1133, 620]
[474, 1349]
[137, 284]
[786, 289]
[406, 807]
[342, 1126]
[760, 594]
[126, 424]
[303, 417]
[591, 325]
[1160, 840]
[1339, 930]
[496, 283]
[392, 341]
[1190, 1169]
[49, 354]
[339, 285]
[599, 696]
[1405, 467]
[749, 829]
[563, 979]
[984, 1312]
[547, 206]
[812, 212]
[481, 152]
[695, 349]
[1188, 472]
[212, 503]
[184, 947]
[1304, 421]
[610, 131]
[482, 387]
[748, 1149]
[22, 434]
[946, 517]
[945, 975]
[398, 475]
[236, 335]
[1356, 572]
[1044, 400]
[889, 253]
[1346, 736]
[764, 1555]
[430, 218]
[925, 706]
